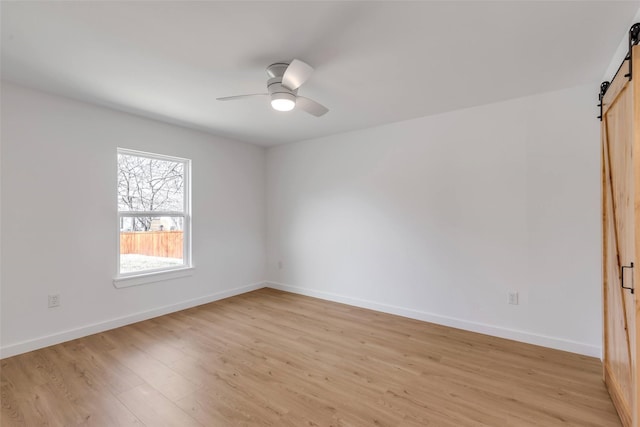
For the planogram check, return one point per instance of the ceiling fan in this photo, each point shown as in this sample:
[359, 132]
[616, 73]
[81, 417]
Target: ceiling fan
[282, 86]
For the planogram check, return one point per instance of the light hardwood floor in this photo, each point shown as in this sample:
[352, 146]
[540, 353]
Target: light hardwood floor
[270, 358]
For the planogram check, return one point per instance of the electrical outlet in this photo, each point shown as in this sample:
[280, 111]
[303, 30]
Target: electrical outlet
[280, 265]
[54, 300]
[513, 297]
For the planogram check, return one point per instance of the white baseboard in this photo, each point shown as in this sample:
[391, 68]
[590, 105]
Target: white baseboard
[497, 331]
[522, 336]
[71, 334]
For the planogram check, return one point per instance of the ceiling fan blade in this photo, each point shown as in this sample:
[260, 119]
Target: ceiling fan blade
[311, 106]
[231, 98]
[296, 73]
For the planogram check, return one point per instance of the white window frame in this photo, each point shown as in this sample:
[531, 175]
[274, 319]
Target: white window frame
[166, 273]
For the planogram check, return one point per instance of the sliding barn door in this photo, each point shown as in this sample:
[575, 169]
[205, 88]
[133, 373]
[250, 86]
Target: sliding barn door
[621, 238]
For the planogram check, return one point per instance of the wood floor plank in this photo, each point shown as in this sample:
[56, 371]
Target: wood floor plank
[102, 366]
[271, 358]
[154, 409]
[154, 372]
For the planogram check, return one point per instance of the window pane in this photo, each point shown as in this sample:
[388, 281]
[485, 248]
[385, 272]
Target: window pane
[149, 243]
[147, 184]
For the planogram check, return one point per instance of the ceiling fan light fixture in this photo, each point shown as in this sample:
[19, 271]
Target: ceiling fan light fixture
[283, 101]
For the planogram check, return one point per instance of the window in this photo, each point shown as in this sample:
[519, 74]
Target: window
[153, 213]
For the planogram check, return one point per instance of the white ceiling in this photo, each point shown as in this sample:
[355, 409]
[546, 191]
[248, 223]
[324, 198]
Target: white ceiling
[376, 62]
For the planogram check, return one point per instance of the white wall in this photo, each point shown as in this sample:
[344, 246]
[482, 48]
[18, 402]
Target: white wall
[438, 218]
[59, 212]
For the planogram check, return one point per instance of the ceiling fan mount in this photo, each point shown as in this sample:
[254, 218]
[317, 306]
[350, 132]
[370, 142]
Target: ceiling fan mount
[277, 69]
[282, 88]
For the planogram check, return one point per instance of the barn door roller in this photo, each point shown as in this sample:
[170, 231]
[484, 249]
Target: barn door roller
[603, 89]
[634, 36]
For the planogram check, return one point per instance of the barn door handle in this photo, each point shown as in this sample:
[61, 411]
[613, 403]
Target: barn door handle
[622, 277]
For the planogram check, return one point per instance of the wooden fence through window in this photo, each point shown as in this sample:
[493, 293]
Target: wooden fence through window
[152, 243]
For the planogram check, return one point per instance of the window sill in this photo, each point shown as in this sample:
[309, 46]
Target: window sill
[157, 276]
